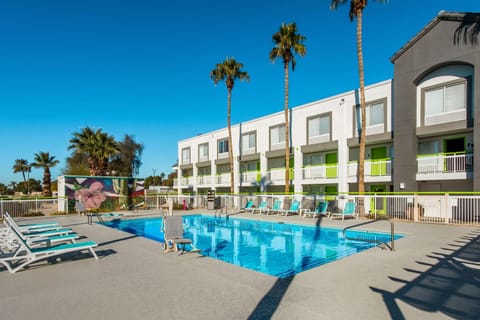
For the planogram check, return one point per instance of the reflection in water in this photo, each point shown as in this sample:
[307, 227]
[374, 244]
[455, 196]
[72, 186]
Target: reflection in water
[281, 250]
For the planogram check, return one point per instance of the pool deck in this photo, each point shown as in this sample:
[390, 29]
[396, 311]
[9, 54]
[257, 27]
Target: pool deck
[433, 274]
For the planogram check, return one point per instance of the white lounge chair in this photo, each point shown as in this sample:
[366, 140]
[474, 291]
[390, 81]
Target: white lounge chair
[33, 226]
[34, 233]
[173, 234]
[26, 255]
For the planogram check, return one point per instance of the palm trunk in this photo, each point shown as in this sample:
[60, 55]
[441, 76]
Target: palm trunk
[361, 158]
[47, 192]
[230, 146]
[287, 140]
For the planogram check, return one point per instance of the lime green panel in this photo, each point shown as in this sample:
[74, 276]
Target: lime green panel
[381, 203]
[331, 165]
[331, 192]
[379, 168]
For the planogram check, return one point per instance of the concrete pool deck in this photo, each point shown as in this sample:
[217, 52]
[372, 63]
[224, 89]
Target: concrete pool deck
[433, 274]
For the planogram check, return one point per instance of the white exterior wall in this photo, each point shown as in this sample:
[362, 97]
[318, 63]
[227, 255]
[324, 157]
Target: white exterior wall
[341, 108]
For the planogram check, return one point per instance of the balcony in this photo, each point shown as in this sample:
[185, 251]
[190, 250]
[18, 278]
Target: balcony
[204, 180]
[249, 177]
[222, 179]
[277, 175]
[184, 182]
[322, 171]
[374, 171]
[445, 166]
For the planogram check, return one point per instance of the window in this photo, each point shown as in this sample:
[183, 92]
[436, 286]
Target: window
[445, 99]
[248, 143]
[318, 126]
[428, 147]
[186, 156]
[223, 146]
[375, 114]
[277, 136]
[203, 152]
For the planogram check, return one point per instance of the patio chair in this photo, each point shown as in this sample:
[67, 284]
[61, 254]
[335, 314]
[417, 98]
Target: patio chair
[173, 235]
[261, 207]
[33, 226]
[294, 209]
[277, 206]
[320, 210]
[25, 255]
[348, 211]
[247, 207]
[35, 233]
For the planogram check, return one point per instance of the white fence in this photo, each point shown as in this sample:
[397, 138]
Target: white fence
[23, 207]
[444, 208]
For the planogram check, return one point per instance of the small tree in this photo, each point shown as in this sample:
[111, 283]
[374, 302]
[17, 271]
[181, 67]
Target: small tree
[45, 161]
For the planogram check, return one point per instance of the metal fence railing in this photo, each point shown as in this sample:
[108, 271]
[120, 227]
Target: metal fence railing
[24, 207]
[435, 208]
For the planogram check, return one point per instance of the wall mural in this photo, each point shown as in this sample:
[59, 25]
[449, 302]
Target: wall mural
[104, 193]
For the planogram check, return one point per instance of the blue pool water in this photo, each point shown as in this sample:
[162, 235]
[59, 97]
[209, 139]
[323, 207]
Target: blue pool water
[281, 250]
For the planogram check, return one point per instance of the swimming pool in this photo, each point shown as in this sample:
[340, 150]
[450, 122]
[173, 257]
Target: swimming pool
[278, 249]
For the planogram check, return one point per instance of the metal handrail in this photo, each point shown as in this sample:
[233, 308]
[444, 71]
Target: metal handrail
[392, 233]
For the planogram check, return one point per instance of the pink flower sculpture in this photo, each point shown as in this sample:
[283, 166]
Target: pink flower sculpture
[92, 197]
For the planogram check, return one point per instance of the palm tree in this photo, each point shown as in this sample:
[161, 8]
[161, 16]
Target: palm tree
[229, 71]
[45, 161]
[22, 165]
[287, 42]
[98, 146]
[356, 10]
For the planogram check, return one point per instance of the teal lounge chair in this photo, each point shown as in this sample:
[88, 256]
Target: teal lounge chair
[294, 209]
[247, 207]
[276, 208]
[33, 233]
[348, 211]
[34, 226]
[26, 255]
[261, 207]
[320, 210]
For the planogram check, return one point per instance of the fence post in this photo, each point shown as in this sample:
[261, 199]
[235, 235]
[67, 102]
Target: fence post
[447, 208]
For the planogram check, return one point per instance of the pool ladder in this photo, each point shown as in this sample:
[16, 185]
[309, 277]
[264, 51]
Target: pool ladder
[381, 244]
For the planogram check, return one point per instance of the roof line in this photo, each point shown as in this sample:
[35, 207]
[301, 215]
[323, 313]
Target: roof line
[442, 15]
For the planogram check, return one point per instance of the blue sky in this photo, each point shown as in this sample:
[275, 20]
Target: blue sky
[142, 67]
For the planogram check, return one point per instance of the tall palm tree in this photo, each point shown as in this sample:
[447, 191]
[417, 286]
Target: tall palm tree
[229, 71]
[22, 165]
[98, 146]
[287, 42]
[356, 11]
[45, 161]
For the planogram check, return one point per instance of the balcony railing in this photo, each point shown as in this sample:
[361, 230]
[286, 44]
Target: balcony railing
[186, 181]
[223, 178]
[322, 171]
[443, 163]
[373, 168]
[249, 176]
[204, 180]
[277, 175]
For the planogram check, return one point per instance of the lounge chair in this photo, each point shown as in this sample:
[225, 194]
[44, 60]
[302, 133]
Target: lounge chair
[320, 210]
[247, 207]
[294, 209]
[173, 234]
[25, 255]
[33, 226]
[348, 211]
[261, 207]
[31, 234]
[276, 208]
